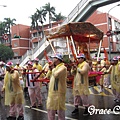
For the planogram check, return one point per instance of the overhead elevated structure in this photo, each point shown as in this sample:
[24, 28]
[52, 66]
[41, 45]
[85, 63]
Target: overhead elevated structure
[85, 8]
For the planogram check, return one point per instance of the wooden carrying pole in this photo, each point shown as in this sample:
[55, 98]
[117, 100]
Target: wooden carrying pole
[68, 46]
[73, 45]
[99, 49]
[52, 46]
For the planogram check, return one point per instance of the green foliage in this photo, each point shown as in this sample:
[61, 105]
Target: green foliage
[5, 52]
[2, 28]
[58, 17]
[5, 26]
[41, 14]
[8, 23]
[17, 36]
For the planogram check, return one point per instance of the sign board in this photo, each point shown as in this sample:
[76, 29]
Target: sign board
[5, 37]
[108, 33]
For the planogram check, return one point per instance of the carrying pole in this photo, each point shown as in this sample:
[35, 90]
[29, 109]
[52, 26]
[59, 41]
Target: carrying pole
[99, 49]
[52, 46]
[73, 45]
[68, 46]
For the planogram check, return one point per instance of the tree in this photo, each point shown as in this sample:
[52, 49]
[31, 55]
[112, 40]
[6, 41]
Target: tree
[50, 10]
[41, 15]
[5, 53]
[33, 22]
[8, 23]
[58, 17]
[36, 20]
[2, 28]
[2, 31]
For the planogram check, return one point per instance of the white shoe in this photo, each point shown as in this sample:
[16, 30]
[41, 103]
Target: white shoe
[109, 86]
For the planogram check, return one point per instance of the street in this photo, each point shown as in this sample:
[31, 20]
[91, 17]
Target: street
[101, 104]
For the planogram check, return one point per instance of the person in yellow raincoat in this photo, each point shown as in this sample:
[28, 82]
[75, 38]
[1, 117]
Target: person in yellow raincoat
[46, 66]
[13, 93]
[57, 90]
[115, 79]
[37, 65]
[49, 72]
[81, 84]
[19, 69]
[103, 78]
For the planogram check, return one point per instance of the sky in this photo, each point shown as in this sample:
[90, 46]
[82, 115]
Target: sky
[21, 10]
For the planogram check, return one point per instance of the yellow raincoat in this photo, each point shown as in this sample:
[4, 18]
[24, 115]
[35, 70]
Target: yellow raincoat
[115, 77]
[81, 82]
[19, 68]
[57, 88]
[39, 68]
[105, 76]
[13, 89]
[48, 75]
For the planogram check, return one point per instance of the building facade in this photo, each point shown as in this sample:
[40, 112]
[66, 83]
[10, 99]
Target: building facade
[20, 39]
[106, 22]
[23, 38]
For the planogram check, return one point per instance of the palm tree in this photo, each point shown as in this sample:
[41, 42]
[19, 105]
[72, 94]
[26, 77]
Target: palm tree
[8, 23]
[50, 10]
[41, 16]
[2, 28]
[58, 17]
[2, 31]
[33, 22]
[35, 16]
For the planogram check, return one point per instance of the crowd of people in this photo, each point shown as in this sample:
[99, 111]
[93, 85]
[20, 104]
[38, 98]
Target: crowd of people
[15, 78]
